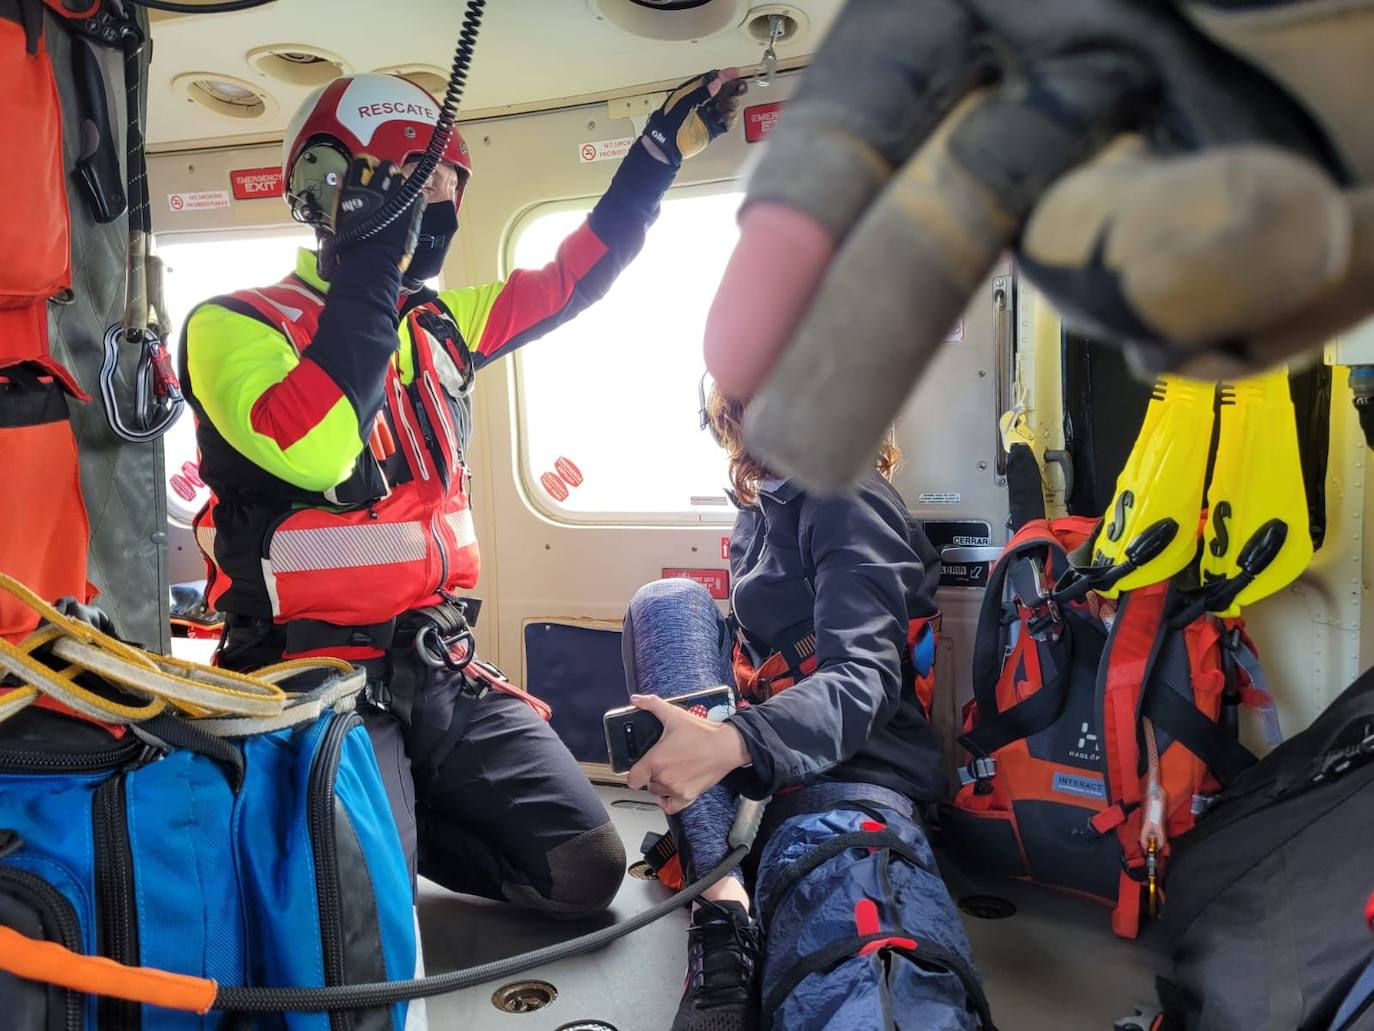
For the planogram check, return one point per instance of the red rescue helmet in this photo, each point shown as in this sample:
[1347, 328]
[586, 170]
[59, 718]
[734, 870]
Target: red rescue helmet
[385, 116]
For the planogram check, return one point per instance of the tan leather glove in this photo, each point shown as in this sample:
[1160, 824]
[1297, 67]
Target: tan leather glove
[1186, 179]
[701, 109]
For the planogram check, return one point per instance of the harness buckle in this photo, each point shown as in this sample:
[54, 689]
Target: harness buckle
[1201, 803]
[978, 770]
[437, 650]
[377, 693]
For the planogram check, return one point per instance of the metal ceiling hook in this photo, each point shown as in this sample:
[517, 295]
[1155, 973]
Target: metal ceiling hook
[777, 25]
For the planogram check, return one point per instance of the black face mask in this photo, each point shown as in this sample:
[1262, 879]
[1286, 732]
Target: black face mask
[438, 227]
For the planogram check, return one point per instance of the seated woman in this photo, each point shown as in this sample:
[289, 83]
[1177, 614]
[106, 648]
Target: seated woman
[848, 923]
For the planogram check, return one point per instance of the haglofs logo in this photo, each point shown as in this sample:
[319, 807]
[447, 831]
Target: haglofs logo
[1089, 749]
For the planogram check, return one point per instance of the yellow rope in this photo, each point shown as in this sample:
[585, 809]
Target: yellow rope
[193, 689]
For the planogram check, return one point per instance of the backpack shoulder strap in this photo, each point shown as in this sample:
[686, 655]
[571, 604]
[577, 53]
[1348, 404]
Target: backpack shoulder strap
[1036, 540]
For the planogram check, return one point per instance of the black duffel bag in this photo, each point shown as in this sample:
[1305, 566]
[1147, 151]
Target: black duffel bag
[1269, 897]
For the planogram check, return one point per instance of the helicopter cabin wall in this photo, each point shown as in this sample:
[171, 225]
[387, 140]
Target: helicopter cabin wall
[555, 580]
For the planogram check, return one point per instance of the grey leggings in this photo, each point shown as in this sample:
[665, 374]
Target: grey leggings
[676, 642]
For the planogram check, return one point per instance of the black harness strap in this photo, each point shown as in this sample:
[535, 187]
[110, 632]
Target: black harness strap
[927, 954]
[884, 839]
[177, 732]
[997, 729]
[1226, 757]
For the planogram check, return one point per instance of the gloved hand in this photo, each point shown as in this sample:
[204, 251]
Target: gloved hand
[367, 186]
[1189, 178]
[96, 617]
[694, 114]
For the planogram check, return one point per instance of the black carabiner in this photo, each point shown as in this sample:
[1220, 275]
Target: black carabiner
[438, 653]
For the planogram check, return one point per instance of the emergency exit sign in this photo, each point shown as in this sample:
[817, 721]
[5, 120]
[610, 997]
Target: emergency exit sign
[253, 183]
[760, 120]
[716, 581]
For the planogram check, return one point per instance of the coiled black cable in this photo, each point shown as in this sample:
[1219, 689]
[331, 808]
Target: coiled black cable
[368, 996]
[443, 132]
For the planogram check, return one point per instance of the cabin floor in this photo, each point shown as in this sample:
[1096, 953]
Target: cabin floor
[1052, 966]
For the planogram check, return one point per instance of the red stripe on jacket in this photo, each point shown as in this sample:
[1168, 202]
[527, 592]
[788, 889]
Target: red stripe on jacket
[288, 410]
[532, 295]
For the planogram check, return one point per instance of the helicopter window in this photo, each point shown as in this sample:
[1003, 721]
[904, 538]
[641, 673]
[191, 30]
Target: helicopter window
[607, 404]
[199, 268]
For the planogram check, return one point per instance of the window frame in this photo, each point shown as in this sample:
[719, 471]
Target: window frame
[526, 478]
[199, 237]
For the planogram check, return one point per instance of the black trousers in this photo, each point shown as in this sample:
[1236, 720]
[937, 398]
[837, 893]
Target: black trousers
[507, 814]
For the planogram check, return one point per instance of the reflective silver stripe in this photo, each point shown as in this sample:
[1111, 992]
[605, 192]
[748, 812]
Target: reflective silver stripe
[291, 313]
[442, 409]
[315, 299]
[460, 525]
[405, 425]
[270, 583]
[346, 547]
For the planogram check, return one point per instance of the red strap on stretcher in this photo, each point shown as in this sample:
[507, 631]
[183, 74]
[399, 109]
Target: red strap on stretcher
[866, 922]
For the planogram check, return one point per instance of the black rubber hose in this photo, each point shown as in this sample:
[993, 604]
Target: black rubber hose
[443, 132]
[367, 996]
[224, 7]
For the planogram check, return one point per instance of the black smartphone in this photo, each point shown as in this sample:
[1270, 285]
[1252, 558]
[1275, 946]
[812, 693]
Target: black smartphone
[631, 732]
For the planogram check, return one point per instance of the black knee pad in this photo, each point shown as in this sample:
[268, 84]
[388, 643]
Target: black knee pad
[585, 872]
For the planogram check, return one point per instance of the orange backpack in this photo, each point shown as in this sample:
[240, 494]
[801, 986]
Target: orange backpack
[43, 530]
[1078, 710]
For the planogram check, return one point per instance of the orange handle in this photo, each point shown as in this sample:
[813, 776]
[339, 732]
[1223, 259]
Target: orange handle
[47, 961]
[382, 443]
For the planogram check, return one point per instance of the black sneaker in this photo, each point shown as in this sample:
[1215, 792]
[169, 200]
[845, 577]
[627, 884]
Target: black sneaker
[722, 957]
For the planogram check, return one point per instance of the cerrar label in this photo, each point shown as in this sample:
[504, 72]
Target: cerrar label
[716, 581]
[256, 183]
[1078, 784]
[760, 120]
[957, 533]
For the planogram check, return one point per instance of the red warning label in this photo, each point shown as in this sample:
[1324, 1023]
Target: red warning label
[725, 549]
[716, 581]
[183, 487]
[760, 120]
[254, 183]
[571, 474]
[558, 490]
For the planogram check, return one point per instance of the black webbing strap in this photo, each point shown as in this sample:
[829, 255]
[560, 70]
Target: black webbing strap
[312, 635]
[799, 644]
[26, 400]
[804, 867]
[998, 729]
[470, 691]
[988, 652]
[29, 15]
[175, 732]
[1226, 757]
[926, 953]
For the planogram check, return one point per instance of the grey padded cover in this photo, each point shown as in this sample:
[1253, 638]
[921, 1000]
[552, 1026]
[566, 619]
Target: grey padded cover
[123, 484]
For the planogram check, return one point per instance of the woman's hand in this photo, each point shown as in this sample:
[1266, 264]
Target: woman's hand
[693, 754]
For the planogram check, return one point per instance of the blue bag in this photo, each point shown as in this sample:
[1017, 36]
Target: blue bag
[275, 863]
[859, 928]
